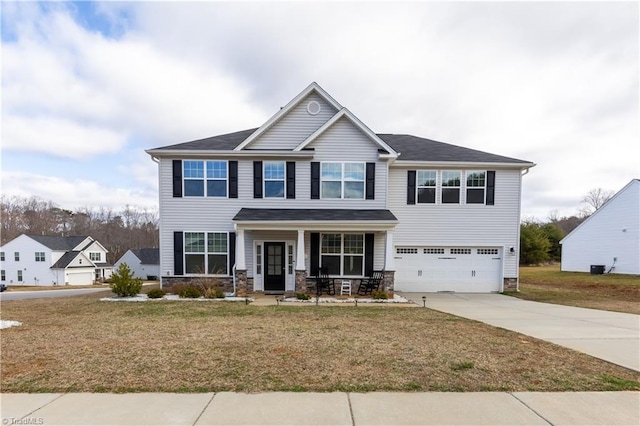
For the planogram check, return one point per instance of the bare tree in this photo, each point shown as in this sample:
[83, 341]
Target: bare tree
[594, 199]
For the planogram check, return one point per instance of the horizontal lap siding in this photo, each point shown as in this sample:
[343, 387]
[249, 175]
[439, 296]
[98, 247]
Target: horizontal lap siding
[460, 224]
[295, 127]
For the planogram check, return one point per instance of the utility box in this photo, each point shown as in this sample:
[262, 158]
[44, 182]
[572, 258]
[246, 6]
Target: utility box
[597, 269]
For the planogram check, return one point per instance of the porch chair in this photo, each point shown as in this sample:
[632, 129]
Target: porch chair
[323, 282]
[370, 284]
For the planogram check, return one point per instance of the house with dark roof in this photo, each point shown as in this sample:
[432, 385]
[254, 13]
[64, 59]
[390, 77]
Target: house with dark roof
[144, 262]
[315, 190]
[53, 260]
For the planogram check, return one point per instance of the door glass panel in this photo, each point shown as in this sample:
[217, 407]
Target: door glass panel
[274, 260]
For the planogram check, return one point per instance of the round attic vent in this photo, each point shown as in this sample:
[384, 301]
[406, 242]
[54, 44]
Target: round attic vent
[313, 107]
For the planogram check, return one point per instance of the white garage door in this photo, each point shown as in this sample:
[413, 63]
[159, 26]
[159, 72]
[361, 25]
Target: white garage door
[458, 269]
[79, 278]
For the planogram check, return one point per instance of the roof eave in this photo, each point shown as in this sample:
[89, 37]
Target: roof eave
[188, 153]
[316, 225]
[462, 164]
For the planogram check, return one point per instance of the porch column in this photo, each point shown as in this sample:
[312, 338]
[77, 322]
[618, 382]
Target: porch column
[388, 253]
[241, 265]
[300, 263]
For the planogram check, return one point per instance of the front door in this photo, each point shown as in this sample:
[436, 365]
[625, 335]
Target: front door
[275, 270]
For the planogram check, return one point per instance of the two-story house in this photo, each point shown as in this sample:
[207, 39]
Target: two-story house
[53, 260]
[314, 187]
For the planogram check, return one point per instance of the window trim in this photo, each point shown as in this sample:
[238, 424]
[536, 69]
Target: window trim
[40, 256]
[435, 186]
[19, 277]
[475, 188]
[3, 275]
[283, 180]
[443, 187]
[343, 181]
[205, 253]
[342, 254]
[99, 259]
[16, 256]
[205, 178]
[2, 256]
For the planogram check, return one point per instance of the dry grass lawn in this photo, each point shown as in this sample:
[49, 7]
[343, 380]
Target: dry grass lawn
[615, 292]
[80, 344]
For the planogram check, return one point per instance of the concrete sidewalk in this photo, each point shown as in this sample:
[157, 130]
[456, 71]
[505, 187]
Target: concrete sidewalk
[280, 408]
[611, 336]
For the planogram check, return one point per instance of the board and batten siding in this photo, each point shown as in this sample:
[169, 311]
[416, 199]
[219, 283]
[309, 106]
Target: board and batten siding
[612, 231]
[295, 126]
[464, 225]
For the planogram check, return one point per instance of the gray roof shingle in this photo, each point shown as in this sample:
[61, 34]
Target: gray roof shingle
[222, 142]
[56, 242]
[65, 260]
[342, 215]
[148, 256]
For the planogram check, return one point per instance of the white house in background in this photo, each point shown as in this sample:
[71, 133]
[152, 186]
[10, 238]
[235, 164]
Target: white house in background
[144, 263]
[315, 189]
[609, 237]
[53, 260]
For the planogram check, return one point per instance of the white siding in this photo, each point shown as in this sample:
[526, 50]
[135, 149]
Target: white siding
[613, 231]
[294, 127]
[33, 273]
[464, 225]
[137, 268]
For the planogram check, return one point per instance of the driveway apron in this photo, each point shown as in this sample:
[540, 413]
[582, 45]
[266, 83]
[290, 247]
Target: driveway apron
[611, 336]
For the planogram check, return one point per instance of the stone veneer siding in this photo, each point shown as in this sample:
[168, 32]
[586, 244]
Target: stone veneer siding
[224, 283]
[388, 281]
[510, 284]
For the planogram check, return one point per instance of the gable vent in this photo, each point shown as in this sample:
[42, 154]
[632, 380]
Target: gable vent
[313, 107]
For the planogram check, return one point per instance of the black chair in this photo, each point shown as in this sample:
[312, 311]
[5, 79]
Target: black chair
[324, 283]
[370, 284]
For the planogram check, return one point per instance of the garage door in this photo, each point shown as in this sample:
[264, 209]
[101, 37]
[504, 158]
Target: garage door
[79, 278]
[458, 269]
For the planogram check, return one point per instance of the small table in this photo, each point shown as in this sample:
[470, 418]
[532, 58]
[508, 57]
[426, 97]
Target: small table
[345, 287]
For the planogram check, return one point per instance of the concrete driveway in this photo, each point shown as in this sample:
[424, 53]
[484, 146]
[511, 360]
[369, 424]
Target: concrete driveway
[611, 336]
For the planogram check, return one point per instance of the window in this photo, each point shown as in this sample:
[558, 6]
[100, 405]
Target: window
[450, 187]
[2, 256]
[205, 253]
[19, 276]
[342, 254]
[492, 251]
[475, 187]
[342, 180]
[16, 256]
[259, 259]
[39, 256]
[404, 250]
[3, 275]
[460, 251]
[274, 176]
[195, 179]
[426, 184]
[290, 259]
[95, 256]
[434, 251]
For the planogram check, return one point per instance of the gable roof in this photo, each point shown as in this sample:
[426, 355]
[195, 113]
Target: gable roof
[313, 87]
[58, 243]
[147, 256]
[225, 142]
[609, 201]
[66, 260]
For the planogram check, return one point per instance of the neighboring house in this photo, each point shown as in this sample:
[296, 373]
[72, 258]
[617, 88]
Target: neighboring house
[609, 237]
[53, 260]
[263, 209]
[144, 263]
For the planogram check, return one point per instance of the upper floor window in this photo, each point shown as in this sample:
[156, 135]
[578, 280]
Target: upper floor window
[274, 178]
[16, 256]
[95, 256]
[342, 180]
[205, 178]
[39, 256]
[476, 181]
[450, 183]
[342, 254]
[2, 256]
[426, 184]
[205, 252]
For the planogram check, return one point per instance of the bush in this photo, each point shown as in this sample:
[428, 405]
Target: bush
[302, 296]
[123, 282]
[189, 292]
[212, 292]
[379, 295]
[156, 293]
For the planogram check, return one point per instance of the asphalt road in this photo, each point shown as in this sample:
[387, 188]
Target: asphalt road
[43, 294]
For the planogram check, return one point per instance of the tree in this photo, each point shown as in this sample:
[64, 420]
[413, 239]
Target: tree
[554, 234]
[123, 283]
[594, 199]
[534, 244]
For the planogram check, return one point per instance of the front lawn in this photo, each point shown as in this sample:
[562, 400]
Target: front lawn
[83, 345]
[610, 292]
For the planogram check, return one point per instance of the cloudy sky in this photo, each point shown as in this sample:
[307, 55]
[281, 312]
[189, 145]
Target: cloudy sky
[87, 87]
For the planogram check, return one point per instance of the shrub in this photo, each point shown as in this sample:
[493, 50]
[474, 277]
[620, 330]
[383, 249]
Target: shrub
[211, 292]
[156, 293]
[189, 292]
[123, 283]
[302, 296]
[379, 295]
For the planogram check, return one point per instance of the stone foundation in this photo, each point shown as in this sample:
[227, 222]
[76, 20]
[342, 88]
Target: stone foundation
[301, 282]
[224, 283]
[510, 284]
[241, 282]
[388, 280]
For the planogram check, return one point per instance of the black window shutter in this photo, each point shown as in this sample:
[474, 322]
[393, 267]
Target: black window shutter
[370, 190]
[178, 247]
[411, 186]
[177, 178]
[368, 254]
[491, 187]
[232, 252]
[257, 179]
[291, 179]
[233, 179]
[315, 254]
[315, 181]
